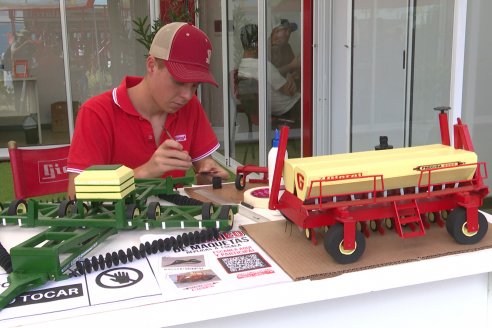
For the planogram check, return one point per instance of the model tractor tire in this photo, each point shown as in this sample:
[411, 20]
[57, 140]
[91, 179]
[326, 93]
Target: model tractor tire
[334, 245]
[431, 217]
[132, 211]
[240, 184]
[67, 208]
[17, 207]
[207, 211]
[373, 224]
[456, 226]
[226, 213]
[153, 210]
[388, 223]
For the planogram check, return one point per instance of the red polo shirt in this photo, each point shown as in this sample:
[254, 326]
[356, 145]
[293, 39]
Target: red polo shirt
[109, 130]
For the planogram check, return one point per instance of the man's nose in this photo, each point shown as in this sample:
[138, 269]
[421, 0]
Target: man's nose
[187, 90]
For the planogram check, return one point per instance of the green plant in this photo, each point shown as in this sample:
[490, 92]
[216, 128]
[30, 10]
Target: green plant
[145, 32]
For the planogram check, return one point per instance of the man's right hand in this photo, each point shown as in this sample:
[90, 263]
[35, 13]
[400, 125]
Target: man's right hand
[290, 87]
[169, 156]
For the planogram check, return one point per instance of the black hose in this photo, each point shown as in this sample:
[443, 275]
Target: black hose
[101, 262]
[5, 259]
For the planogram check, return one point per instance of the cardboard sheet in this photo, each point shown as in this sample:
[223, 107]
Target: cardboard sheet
[297, 256]
[228, 194]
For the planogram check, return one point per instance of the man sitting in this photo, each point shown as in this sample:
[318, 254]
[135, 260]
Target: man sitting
[284, 97]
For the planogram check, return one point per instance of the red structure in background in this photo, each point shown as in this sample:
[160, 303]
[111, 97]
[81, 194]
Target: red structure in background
[170, 8]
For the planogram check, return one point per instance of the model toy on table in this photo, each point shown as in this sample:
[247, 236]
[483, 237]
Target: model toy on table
[402, 189]
[108, 199]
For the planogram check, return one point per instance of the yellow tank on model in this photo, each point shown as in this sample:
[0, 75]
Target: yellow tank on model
[104, 182]
[359, 172]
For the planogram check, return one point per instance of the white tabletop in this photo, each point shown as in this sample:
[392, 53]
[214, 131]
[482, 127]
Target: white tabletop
[275, 301]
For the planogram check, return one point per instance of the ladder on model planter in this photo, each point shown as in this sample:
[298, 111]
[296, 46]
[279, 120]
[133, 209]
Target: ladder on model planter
[407, 214]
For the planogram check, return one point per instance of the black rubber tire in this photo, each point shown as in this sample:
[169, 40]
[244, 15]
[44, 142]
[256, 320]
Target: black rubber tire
[18, 206]
[132, 211]
[239, 182]
[333, 240]
[153, 210]
[226, 213]
[456, 226]
[207, 211]
[67, 206]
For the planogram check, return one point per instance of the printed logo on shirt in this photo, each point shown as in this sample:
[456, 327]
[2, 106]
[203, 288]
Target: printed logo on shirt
[180, 137]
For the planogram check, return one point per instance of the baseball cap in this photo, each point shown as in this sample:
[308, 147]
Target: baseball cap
[283, 22]
[186, 51]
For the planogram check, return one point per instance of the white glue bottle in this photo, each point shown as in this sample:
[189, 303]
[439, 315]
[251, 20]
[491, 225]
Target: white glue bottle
[272, 159]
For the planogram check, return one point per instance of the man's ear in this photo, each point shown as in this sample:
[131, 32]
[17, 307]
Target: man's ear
[151, 64]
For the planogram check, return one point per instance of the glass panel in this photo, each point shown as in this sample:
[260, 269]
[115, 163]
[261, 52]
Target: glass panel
[284, 76]
[102, 49]
[478, 78]
[431, 73]
[33, 79]
[102, 46]
[211, 97]
[379, 73]
[244, 116]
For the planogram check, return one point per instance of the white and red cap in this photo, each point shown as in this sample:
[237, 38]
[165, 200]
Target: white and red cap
[186, 51]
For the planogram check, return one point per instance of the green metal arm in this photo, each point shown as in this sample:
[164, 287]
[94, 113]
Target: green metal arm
[74, 233]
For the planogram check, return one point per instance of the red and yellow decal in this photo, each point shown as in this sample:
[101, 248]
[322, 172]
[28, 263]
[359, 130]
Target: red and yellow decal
[300, 181]
[343, 176]
[437, 166]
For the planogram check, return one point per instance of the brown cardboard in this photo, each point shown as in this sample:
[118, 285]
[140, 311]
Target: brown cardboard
[300, 259]
[228, 194]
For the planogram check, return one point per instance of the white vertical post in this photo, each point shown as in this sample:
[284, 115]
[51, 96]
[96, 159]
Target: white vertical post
[457, 61]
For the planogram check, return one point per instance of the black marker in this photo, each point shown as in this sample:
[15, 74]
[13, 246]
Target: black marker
[247, 205]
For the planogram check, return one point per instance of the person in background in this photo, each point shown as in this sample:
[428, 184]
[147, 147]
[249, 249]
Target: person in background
[153, 124]
[285, 99]
[281, 54]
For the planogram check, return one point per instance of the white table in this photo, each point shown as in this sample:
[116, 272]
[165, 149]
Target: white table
[450, 291]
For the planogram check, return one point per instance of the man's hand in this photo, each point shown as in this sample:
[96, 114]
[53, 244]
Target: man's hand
[208, 168]
[290, 87]
[169, 156]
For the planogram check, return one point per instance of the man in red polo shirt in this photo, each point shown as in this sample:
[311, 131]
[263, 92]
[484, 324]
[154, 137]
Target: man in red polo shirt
[155, 124]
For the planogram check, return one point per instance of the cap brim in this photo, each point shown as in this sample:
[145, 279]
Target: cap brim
[190, 73]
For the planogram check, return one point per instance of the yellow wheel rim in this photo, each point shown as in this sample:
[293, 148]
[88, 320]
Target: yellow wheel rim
[307, 231]
[344, 251]
[21, 209]
[373, 225]
[467, 233]
[230, 218]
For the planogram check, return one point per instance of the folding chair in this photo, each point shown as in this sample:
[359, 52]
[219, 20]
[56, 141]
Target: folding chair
[38, 171]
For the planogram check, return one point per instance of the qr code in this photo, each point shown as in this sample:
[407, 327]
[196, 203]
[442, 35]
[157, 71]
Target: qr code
[242, 263]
